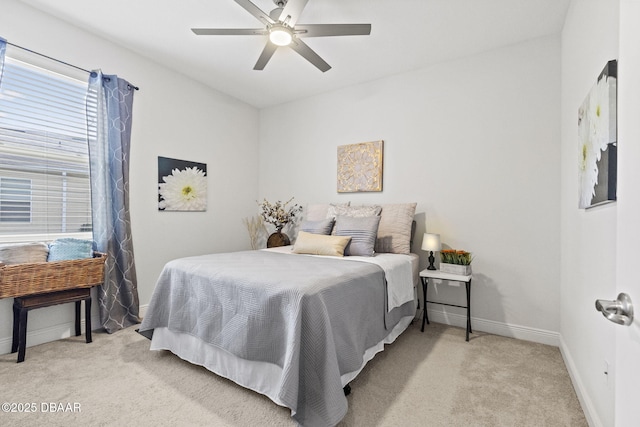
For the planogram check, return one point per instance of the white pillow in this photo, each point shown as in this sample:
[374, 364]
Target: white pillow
[394, 230]
[318, 211]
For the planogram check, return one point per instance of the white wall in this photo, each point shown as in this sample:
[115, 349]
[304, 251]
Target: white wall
[588, 272]
[173, 117]
[476, 143]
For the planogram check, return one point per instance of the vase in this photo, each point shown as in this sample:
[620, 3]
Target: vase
[278, 239]
[463, 270]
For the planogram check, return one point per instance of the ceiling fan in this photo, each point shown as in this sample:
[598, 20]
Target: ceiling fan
[282, 31]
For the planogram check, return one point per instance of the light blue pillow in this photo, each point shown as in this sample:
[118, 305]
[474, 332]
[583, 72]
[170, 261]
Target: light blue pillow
[68, 248]
[323, 226]
[363, 232]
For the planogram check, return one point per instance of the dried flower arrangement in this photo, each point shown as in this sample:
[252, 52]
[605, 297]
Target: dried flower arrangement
[257, 230]
[278, 213]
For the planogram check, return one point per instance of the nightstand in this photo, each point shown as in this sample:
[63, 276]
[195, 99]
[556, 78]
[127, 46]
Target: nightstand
[425, 275]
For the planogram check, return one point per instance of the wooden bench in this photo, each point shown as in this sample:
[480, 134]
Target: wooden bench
[22, 305]
[43, 284]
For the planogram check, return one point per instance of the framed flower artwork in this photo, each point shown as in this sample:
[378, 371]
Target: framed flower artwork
[182, 185]
[597, 141]
[360, 167]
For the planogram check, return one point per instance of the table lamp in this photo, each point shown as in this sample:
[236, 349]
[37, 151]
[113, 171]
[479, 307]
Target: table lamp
[431, 243]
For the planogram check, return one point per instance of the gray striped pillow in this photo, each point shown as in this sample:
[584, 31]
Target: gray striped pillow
[317, 227]
[363, 232]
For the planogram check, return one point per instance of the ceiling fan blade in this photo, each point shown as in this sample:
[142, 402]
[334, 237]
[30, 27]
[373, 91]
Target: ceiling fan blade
[328, 30]
[255, 11]
[229, 31]
[307, 53]
[291, 12]
[265, 56]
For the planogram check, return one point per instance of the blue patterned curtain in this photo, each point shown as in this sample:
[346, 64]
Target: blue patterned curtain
[109, 103]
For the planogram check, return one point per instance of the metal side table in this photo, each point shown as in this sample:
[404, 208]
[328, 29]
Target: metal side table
[425, 275]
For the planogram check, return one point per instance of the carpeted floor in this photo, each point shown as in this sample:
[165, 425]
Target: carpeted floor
[433, 378]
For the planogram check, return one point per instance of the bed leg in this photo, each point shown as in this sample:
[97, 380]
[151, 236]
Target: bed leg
[347, 390]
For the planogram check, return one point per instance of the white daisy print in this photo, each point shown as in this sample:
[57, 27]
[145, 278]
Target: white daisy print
[183, 190]
[587, 166]
[597, 150]
[598, 114]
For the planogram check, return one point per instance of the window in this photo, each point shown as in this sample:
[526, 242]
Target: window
[44, 161]
[15, 200]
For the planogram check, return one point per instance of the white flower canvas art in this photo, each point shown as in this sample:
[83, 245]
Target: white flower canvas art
[597, 141]
[182, 185]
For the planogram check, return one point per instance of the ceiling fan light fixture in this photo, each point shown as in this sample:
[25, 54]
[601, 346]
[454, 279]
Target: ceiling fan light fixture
[280, 35]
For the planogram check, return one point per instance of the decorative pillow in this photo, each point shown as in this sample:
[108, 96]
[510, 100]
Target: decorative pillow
[317, 212]
[323, 226]
[353, 211]
[68, 248]
[363, 233]
[394, 231]
[24, 253]
[318, 244]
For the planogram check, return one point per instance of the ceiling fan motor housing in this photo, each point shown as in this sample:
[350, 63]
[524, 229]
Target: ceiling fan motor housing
[275, 13]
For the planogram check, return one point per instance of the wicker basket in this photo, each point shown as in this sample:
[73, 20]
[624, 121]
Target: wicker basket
[18, 280]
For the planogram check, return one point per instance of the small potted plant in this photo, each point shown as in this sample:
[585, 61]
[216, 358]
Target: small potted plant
[455, 261]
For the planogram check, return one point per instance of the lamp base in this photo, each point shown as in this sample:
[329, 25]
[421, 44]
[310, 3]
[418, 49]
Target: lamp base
[431, 259]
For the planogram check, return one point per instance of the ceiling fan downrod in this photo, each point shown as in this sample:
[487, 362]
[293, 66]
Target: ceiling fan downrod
[275, 13]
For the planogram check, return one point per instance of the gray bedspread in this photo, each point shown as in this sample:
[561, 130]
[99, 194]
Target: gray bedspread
[314, 317]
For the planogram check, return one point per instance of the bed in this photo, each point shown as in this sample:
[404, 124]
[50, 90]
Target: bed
[294, 327]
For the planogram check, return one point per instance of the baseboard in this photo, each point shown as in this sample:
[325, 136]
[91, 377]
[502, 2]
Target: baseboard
[63, 330]
[497, 328]
[48, 334]
[143, 310]
[56, 332]
[585, 401]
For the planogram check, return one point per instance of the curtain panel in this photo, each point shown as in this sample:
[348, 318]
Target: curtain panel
[3, 49]
[109, 108]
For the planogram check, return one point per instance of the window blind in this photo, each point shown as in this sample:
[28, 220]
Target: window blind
[44, 161]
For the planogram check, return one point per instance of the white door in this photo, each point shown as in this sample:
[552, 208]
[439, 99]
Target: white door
[627, 363]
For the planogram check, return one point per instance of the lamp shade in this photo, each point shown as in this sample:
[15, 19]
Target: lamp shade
[431, 242]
